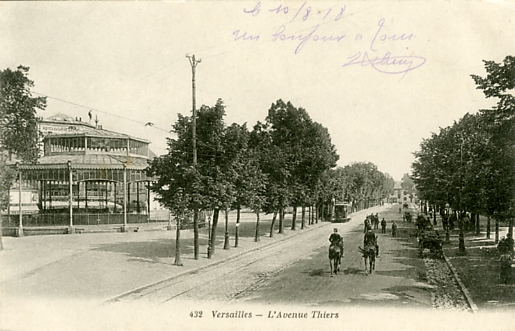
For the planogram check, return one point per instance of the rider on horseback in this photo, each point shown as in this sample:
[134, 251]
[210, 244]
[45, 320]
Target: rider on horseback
[337, 240]
[371, 239]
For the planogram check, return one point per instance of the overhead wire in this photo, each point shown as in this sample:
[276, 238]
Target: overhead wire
[100, 111]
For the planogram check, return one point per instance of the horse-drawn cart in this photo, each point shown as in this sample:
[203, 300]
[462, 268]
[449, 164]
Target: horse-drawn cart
[430, 239]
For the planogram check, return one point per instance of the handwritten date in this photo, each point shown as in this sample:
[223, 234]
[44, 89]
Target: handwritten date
[304, 12]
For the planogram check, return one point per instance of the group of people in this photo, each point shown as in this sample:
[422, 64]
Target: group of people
[369, 237]
[374, 220]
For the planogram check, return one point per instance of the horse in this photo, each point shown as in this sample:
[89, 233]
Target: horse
[369, 255]
[335, 254]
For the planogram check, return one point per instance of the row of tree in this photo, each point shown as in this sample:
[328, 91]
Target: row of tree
[471, 165]
[288, 160]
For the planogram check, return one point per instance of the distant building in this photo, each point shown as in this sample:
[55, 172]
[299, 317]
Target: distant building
[84, 170]
[398, 195]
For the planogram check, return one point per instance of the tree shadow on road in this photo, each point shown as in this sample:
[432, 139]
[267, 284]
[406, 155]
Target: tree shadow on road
[153, 251]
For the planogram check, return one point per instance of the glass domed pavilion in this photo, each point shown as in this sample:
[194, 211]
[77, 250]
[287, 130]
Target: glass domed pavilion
[87, 175]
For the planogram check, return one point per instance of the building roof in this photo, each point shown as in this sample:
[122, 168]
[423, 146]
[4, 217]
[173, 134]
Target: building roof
[88, 161]
[68, 126]
[60, 117]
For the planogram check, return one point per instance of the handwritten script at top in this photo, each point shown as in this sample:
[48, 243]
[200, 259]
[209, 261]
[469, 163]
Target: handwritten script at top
[304, 25]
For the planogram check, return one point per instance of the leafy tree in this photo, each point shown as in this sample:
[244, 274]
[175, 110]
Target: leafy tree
[471, 164]
[178, 183]
[500, 83]
[248, 179]
[19, 135]
[218, 150]
[365, 184]
[209, 185]
[302, 151]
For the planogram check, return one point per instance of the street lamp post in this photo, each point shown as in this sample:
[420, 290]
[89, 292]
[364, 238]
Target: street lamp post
[209, 213]
[19, 231]
[124, 226]
[71, 229]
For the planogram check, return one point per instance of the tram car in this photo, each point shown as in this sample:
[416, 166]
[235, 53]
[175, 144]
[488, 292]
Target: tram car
[341, 211]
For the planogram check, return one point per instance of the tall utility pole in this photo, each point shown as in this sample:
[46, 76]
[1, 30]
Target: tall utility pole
[193, 63]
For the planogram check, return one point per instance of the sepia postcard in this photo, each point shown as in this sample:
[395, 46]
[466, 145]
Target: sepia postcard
[309, 118]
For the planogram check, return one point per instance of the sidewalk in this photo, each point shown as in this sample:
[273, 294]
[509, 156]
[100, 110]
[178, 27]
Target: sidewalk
[479, 270]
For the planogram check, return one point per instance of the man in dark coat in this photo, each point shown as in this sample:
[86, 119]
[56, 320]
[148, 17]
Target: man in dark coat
[370, 238]
[337, 240]
[383, 226]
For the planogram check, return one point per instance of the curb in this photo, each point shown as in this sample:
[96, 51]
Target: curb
[463, 289]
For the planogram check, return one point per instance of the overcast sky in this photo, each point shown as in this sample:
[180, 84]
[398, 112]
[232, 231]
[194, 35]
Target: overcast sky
[380, 75]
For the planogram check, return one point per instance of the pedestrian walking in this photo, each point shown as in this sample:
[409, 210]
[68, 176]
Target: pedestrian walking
[505, 268]
[383, 226]
[394, 229]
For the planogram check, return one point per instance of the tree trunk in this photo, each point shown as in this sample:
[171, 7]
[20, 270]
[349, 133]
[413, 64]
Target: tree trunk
[510, 227]
[256, 237]
[478, 227]
[272, 224]
[177, 261]
[488, 227]
[294, 219]
[303, 221]
[461, 235]
[496, 230]
[237, 226]
[316, 213]
[195, 233]
[216, 213]
[226, 236]
[281, 220]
